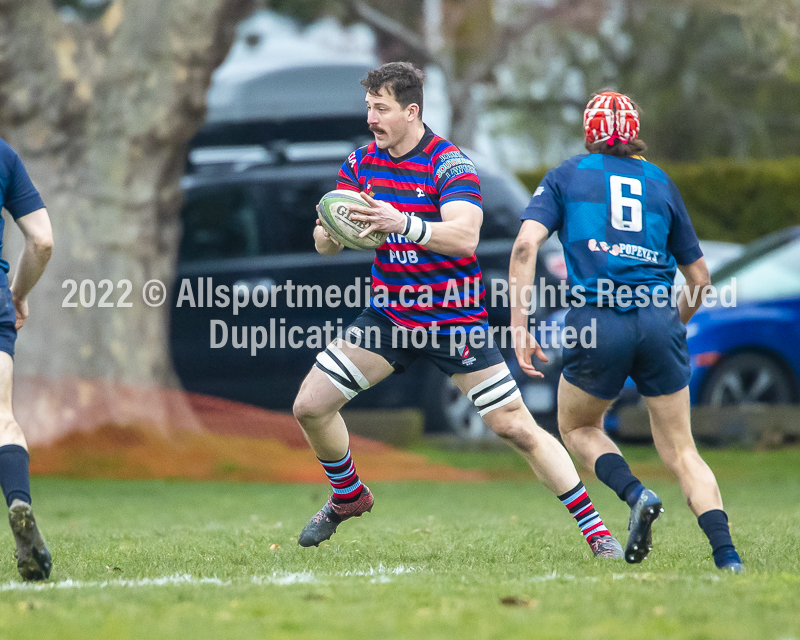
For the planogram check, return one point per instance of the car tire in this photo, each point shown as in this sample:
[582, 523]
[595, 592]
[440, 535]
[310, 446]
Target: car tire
[448, 410]
[749, 378]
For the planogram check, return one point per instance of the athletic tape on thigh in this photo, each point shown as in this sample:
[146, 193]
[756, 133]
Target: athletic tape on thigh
[341, 371]
[494, 393]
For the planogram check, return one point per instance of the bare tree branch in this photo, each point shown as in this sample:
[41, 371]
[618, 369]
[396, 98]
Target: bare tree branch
[478, 71]
[391, 27]
[511, 34]
[460, 85]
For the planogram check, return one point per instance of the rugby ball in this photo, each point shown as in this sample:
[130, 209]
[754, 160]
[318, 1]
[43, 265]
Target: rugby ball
[334, 214]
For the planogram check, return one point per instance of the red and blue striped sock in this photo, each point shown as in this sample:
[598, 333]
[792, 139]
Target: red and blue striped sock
[343, 478]
[581, 507]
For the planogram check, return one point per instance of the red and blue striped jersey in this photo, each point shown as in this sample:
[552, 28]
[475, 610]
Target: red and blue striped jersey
[412, 285]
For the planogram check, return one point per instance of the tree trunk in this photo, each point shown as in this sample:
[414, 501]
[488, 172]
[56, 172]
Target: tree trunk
[101, 114]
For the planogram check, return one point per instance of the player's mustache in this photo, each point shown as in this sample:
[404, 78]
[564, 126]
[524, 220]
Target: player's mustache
[376, 130]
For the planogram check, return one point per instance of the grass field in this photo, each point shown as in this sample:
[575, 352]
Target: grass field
[194, 560]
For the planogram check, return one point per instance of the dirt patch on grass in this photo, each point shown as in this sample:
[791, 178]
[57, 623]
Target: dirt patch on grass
[237, 442]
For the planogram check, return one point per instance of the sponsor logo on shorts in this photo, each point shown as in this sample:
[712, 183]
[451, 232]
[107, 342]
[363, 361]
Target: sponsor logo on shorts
[467, 359]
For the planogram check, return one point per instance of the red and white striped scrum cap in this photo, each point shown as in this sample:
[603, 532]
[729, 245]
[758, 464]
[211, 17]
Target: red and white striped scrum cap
[610, 116]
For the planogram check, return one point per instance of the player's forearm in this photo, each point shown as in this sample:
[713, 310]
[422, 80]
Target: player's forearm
[31, 266]
[521, 273]
[453, 238]
[695, 289]
[690, 299]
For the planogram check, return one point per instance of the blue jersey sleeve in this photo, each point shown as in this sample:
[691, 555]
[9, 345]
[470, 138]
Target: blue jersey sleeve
[682, 242]
[19, 195]
[546, 203]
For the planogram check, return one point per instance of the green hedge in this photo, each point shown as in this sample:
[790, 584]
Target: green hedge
[731, 200]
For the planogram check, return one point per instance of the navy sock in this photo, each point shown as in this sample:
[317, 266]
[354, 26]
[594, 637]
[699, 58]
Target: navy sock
[14, 475]
[714, 524]
[612, 470]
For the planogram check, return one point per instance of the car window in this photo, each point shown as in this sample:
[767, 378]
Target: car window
[248, 220]
[503, 200]
[221, 223]
[291, 214]
[774, 276]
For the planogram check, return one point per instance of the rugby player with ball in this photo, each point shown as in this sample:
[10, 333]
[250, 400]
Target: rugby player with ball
[422, 195]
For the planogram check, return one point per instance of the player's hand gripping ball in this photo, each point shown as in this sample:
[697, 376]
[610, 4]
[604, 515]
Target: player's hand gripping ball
[334, 214]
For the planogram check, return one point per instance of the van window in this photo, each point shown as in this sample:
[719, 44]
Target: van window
[291, 214]
[243, 221]
[223, 223]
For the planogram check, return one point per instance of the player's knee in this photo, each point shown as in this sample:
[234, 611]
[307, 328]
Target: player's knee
[519, 436]
[497, 400]
[307, 411]
[514, 425]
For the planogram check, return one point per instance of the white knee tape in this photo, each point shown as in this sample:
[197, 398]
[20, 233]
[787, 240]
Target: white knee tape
[494, 393]
[341, 371]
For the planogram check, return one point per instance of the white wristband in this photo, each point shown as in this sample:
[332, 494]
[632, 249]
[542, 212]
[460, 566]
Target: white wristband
[417, 230]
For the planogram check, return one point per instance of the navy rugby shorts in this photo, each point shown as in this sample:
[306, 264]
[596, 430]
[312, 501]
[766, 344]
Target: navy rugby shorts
[648, 344]
[8, 319]
[388, 343]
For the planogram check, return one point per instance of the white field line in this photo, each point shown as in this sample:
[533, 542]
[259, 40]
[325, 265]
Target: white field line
[641, 577]
[379, 574]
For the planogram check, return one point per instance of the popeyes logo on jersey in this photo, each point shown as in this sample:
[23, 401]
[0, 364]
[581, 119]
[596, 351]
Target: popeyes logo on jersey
[632, 251]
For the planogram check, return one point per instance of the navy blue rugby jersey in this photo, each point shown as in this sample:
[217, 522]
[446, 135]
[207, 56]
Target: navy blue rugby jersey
[437, 288]
[17, 193]
[619, 219]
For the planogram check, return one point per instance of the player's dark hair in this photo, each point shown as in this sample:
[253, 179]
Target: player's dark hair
[401, 79]
[619, 148]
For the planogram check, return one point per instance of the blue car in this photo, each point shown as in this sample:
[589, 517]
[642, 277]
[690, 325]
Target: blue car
[746, 347]
[750, 352]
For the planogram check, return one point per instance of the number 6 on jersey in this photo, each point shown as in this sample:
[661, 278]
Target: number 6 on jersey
[620, 202]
